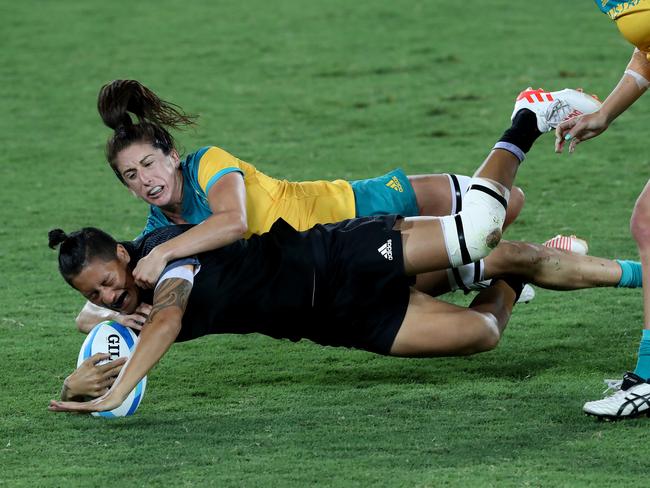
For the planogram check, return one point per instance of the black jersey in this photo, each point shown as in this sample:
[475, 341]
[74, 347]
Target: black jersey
[337, 284]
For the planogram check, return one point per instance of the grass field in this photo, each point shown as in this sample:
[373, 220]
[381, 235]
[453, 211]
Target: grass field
[305, 90]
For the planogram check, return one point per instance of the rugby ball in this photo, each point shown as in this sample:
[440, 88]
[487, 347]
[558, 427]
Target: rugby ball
[113, 338]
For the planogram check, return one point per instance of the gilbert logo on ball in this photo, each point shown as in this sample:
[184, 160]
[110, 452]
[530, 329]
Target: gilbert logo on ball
[113, 338]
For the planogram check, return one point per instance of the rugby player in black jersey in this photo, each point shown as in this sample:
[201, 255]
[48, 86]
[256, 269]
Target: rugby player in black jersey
[345, 284]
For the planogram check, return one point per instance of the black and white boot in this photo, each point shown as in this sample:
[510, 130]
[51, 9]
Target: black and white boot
[631, 400]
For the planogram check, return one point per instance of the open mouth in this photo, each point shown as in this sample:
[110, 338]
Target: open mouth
[117, 304]
[155, 191]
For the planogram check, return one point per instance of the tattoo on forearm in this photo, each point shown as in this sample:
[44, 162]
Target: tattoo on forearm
[173, 292]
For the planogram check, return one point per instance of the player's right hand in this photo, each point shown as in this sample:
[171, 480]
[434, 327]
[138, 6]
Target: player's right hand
[92, 379]
[578, 129]
[149, 269]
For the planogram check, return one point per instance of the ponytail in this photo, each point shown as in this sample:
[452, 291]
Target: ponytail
[136, 114]
[119, 98]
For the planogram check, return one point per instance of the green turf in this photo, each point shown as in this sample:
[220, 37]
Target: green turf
[317, 90]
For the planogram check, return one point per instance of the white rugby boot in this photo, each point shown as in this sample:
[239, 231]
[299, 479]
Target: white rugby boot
[526, 296]
[569, 243]
[631, 399]
[552, 108]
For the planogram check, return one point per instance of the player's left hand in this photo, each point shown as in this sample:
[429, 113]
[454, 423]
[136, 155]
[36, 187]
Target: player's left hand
[106, 402]
[149, 269]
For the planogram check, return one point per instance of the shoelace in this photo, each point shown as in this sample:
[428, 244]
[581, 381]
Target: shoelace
[558, 111]
[613, 386]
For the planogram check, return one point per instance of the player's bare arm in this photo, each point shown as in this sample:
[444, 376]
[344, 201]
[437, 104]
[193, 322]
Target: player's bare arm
[159, 333]
[640, 63]
[629, 89]
[228, 223]
[631, 86]
[90, 315]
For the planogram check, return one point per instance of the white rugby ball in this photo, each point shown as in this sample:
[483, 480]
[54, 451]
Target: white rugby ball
[119, 341]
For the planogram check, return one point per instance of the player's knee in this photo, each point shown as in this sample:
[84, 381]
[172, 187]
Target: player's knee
[515, 205]
[486, 334]
[517, 198]
[491, 334]
[471, 234]
[640, 228]
[640, 223]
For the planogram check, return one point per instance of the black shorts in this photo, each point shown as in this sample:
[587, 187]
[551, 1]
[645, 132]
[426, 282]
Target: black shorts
[361, 291]
[338, 284]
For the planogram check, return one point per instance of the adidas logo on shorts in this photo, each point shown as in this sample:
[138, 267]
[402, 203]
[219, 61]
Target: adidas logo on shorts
[395, 184]
[387, 250]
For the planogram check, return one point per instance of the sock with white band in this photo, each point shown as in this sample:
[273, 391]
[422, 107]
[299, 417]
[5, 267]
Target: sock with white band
[521, 135]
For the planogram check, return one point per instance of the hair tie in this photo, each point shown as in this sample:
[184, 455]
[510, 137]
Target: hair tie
[121, 131]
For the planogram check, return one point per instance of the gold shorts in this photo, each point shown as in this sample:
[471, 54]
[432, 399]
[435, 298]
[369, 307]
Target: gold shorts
[634, 25]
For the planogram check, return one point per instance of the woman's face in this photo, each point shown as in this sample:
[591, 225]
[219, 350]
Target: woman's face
[109, 284]
[150, 175]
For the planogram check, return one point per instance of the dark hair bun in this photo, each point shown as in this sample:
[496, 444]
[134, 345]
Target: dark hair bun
[56, 237]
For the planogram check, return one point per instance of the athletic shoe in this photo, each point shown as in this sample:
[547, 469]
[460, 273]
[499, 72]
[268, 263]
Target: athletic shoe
[569, 243]
[552, 108]
[631, 400]
[527, 294]
[479, 285]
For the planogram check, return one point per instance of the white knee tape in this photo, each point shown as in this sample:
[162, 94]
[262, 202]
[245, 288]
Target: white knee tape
[458, 185]
[471, 234]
